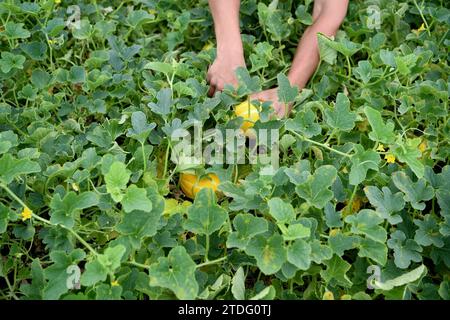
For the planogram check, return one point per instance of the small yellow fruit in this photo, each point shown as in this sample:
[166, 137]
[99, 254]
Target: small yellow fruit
[191, 184]
[328, 295]
[247, 111]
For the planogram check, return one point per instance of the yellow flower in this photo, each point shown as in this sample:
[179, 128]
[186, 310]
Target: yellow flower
[115, 283]
[207, 46]
[26, 214]
[423, 146]
[380, 148]
[152, 11]
[75, 187]
[418, 31]
[421, 28]
[57, 1]
[390, 158]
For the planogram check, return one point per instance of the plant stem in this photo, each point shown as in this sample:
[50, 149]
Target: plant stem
[144, 157]
[211, 262]
[322, 145]
[15, 197]
[206, 248]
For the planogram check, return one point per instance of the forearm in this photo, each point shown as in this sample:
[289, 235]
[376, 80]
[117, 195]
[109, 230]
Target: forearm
[328, 16]
[225, 14]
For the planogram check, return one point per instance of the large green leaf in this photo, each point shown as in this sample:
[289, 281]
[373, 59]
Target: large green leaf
[340, 117]
[336, 272]
[315, 190]
[104, 264]
[63, 210]
[415, 192]
[205, 216]
[175, 272]
[246, 226]
[270, 253]
[11, 168]
[366, 222]
[381, 132]
[386, 203]
[405, 250]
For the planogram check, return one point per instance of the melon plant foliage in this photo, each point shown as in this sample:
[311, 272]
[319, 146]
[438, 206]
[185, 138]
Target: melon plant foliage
[88, 103]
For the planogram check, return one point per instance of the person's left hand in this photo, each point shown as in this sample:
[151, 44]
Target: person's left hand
[272, 96]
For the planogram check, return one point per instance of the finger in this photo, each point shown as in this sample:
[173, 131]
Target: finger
[212, 90]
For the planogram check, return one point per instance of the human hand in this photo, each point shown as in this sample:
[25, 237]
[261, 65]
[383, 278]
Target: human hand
[222, 72]
[272, 96]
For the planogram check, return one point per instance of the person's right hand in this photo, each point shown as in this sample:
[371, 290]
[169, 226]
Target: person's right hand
[222, 72]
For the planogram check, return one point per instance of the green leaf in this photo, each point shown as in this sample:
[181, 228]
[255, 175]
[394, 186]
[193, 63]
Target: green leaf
[139, 17]
[303, 15]
[157, 66]
[399, 281]
[320, 252]
[136, 199]
[406, 63]
[98, 269]
[11, 168]
[415, 192]
[8, 140]
[4, 218]
[108, 292]
[381, 132]
[295, 231]
[409, 153]
[270, 253]
[164, 104]
[336, 272]
[285, 92]
[10, 61]
[57, 273]
[405, 250]
[40, 78]
[15, 31]
[299, 254]
[116, 180]
[364, 71]
[247, 226]
[63, 211]
[374, 250]
[205, 216]
[268, 293]
[77, 74]
[428, 232]
[36, 50]
[327, 53]
[35, 289]
[340, 117]
[366, 222]
[247, 84]
[136, 225]
[340, 243]
[262, 56]
[141, 129]
[315, 190]
[305, 123]
[362, 161]
[386, 203]
[282, 211]
[175, 272]
[238, 284]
